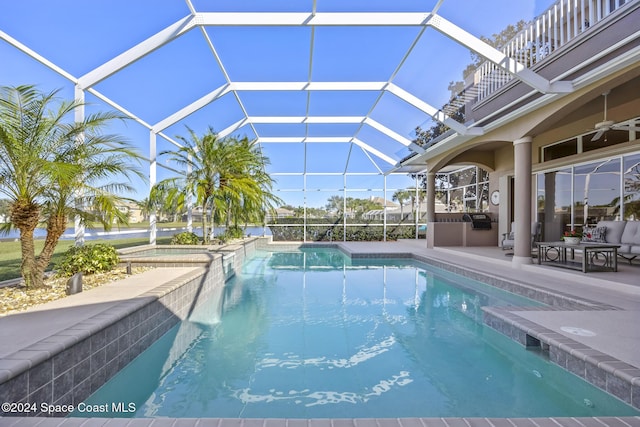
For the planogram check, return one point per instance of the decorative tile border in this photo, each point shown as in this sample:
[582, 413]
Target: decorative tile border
[599, 369]
[329, 422]
[553, 299]
[69, 366]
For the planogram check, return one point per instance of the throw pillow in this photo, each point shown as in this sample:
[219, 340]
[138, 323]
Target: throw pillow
[594, 234]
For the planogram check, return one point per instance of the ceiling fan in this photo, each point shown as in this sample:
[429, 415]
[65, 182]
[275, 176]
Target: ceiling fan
[606, 125]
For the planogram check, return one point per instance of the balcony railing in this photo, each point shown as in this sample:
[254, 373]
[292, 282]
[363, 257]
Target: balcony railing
[557, 26]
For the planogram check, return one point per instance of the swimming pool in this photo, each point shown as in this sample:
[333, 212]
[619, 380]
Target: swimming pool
[313, 334]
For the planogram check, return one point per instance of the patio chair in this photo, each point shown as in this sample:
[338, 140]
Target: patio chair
[508, 239]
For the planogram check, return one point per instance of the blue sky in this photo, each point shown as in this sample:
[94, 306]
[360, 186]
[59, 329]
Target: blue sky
[80, 35]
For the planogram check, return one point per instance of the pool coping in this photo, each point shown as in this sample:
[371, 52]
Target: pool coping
[72, 363]
[99, 338]
[509, 318]
[603, 371]
[326, 422]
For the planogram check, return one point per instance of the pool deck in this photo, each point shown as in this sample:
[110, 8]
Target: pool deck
[21, 330]
[616, 332]
[613, 332]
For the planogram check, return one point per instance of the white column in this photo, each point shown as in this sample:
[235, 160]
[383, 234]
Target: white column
[344, 207]
[431, 197]
[416, 208]
[384, 208]
[522, 201]
[304, 196]
[153, 165]
[189, 202]
[79, 228]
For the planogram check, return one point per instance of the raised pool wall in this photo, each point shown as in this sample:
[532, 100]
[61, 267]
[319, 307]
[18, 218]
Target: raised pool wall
[69, 366]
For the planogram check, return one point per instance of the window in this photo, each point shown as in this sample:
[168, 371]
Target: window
[607, 189]
[596, 194]
[462, 191]
[610, 137]
[631, 197]
[554, 202]
[559, 150]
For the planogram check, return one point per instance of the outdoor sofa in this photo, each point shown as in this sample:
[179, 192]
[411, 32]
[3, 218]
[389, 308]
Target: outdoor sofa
[623, 233]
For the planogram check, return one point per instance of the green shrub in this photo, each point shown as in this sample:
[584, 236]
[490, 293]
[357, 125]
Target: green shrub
[185, 238]
[87, 259]
[331, 229]
[234, 232]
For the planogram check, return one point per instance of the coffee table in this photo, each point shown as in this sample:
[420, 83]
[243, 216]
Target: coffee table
[595, 256]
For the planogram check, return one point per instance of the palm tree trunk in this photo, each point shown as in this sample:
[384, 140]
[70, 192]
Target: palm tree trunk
[213, 221]
[55, 229]
[205, 223]
[24, 216]
[205, 226]
[28, 267]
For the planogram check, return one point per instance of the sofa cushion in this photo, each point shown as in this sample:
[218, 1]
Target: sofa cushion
[594, 234]
[631, 233]
[614, 230]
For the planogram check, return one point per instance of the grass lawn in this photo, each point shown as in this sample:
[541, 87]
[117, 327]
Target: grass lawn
[10, 255]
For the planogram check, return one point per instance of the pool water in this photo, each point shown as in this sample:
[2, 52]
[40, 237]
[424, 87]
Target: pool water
[312, 334]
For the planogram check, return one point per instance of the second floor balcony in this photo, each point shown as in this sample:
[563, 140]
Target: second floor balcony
[567, 42]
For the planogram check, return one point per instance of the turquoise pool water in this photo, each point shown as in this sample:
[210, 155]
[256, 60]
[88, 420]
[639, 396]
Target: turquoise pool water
[311, 334]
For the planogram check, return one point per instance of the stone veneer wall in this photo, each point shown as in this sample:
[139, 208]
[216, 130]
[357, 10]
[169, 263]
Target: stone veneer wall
[69, 366]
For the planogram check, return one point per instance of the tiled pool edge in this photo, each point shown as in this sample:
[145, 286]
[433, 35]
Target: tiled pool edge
[70, 365]
[599, 369]
[329, 422]
[547, 297]
[371, 422]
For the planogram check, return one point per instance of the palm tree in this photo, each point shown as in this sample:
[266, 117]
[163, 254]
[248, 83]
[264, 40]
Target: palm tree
[401, 196]
[245, 187]
[145, 207]
[87, 191]
[335, 204]
[46, 161]
[227, 178]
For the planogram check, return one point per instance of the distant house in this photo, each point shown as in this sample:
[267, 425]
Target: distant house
[132, 210]
[280, 213]
[383, 202]
[394, 212]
